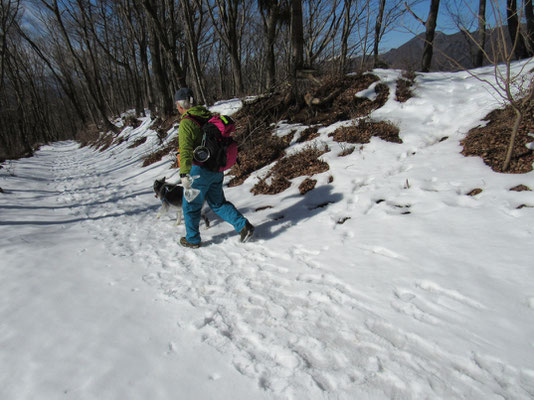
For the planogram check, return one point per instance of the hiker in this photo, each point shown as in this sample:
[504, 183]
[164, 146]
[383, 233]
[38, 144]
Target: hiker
[209, 183]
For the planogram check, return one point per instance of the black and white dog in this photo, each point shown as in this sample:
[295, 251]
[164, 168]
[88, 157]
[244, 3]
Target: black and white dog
[171, 196]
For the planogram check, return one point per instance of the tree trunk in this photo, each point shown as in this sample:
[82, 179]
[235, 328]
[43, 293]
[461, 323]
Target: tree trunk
[64, 82]
[345, 33]
[515, 131]
[430, 26]
[270, 56]
[479, 53]
[269, 11]
[518, 42]
[226, 24]
[8, 16]
[378, 31]
[89, 78]
[158, 29]
[165, 106]
[235, 59]
[529, 15]
[230, 15]
[192, 51]
[297, 38]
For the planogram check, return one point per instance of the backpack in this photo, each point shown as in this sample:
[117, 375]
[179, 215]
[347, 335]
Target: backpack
[218, 150]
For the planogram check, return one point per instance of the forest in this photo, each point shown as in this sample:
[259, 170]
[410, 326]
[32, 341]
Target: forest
[68, 68]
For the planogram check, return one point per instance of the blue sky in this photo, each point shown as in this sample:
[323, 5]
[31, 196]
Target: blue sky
[408, 26]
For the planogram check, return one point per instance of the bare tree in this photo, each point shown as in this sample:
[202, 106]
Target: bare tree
[63, 80]
[164, 50]
[322, 22]
[132, 14]
[349, 21]
[229, 17]
[9, 11]
[273, 13]
[389, 13]
[378, 29]
[510, 82]
[479, 54]
[297, 37]
[513, 19]
[193, 18]
[529, 15]
[90, 75]
[430, 29]
[473, 26]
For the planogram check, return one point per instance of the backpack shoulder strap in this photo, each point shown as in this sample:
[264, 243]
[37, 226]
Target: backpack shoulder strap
[197, 120]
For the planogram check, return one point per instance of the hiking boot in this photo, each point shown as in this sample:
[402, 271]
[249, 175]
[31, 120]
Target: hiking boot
[247, 232]
[185, 243]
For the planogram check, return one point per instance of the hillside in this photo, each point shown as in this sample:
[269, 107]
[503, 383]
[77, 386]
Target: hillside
[386, 263]
[452, 52]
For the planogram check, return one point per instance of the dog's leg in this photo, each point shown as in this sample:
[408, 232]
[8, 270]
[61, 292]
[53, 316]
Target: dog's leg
[164, 209]
[206, 220]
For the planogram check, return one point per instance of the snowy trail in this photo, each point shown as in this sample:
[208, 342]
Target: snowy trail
[286, 322]
[387, 281]
[77, 322]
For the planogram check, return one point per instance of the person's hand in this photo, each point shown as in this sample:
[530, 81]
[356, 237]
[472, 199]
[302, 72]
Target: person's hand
[187, 181]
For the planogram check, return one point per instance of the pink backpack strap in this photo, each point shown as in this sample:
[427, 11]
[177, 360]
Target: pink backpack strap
[190, 117]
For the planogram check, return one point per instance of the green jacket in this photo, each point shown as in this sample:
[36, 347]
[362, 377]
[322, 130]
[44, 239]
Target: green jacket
[190, 136]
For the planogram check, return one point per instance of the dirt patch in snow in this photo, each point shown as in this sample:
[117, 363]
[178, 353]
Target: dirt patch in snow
[490, 142]
[305, 162]
[364, 130]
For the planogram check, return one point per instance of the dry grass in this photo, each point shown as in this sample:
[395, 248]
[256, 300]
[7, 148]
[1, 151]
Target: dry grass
[307, 185]
[88, 136]
[162, 152]
[256, 153]
[303, 163]
[131, 120]
[308, 134]
[521, 188]
[137, 143]
[490, 142]
[403, 91]
[364, 130]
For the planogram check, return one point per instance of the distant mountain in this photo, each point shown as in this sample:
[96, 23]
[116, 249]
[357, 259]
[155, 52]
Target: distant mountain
[409, 55]
[456, 46]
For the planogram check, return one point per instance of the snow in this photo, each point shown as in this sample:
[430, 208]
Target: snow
[388, 281]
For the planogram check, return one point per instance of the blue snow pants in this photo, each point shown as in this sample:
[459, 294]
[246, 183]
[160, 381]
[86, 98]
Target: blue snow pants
[210, 185]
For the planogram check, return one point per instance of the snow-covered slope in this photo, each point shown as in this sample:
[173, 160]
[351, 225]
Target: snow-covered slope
[388, 281]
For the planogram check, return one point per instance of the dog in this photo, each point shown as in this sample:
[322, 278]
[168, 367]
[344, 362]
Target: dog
[171, 196]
